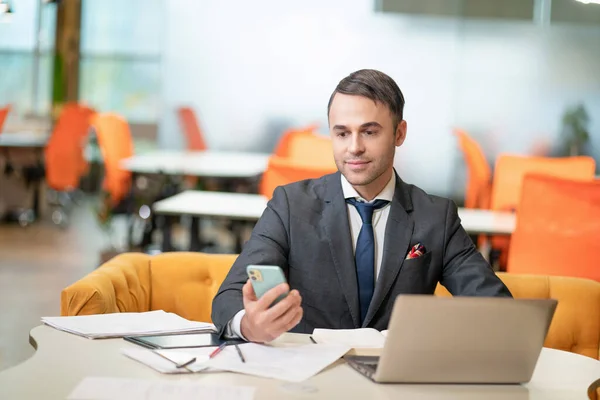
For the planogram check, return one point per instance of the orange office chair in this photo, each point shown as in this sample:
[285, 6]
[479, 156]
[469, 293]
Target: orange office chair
[508, 179]
[558, 229]
[193, 136]
[510, 170]
[116, 144]
[479, 172]
[282, 170]
[191, 129]
[64, 157]
[3, 115]
[284, 145]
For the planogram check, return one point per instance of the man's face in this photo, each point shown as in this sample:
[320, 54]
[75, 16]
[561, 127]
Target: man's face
[364, 138]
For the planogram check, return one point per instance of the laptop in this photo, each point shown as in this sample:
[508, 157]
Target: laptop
[477, 340]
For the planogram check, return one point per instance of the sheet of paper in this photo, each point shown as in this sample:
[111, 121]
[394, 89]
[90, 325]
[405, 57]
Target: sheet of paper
[125, 324]
[103, 388]
[355, 338]
[290, 363]
[166, 363]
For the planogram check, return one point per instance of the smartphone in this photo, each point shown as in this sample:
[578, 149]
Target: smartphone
[264, 278]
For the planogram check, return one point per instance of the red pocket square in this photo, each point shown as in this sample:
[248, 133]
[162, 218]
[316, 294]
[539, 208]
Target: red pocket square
[417, 251]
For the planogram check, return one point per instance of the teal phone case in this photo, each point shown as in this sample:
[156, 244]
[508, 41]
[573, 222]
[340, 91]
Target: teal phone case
[264, 278]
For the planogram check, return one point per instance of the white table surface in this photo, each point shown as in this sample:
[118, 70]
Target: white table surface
[214, 164]
[23, 139]
[251, 206]
[62, 360]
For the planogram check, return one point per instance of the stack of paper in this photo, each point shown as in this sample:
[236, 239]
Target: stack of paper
[290, 363]
[149, 323]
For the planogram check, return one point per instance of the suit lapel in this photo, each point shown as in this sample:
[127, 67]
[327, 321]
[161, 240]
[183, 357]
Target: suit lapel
[398, 233]
[337, 227]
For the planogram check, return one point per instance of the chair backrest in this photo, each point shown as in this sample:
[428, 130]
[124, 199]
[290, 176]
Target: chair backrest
[64, 152]
[116, 144]
[3, 115]
[510, 170]
[191, 129]
[479, 172]
[283, 147]
[178, 282]
[558, 228]
[283, 170]
[313, 149]
[576, 323]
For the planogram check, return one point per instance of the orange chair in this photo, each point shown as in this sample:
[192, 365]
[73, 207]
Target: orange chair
[479, 172]
[65, 163]
[510, 170]
[283, 170]
[558, 229]
[64, 157]
[191, 129]
[508, 179]
[284, 145]
[116, 144]
[3, 115]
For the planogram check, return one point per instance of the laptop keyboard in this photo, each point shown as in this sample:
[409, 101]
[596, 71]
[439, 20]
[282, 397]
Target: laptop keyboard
[366, 365]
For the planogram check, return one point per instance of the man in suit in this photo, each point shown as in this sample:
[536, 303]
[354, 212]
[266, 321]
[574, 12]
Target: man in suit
[352, 241]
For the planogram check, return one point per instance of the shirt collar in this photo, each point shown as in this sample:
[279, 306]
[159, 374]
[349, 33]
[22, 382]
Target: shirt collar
[386, 194]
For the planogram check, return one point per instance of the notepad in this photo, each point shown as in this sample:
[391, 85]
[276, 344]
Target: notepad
[116, 325]
[361, 341]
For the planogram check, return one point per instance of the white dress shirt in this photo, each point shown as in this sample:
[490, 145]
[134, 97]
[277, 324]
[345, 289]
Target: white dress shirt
[380, 217]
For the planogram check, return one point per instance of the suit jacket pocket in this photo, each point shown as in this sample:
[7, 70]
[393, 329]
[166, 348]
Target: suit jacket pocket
[413, 275]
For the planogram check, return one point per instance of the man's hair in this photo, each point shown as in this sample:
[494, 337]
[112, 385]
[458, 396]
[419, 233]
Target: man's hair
[374, 85]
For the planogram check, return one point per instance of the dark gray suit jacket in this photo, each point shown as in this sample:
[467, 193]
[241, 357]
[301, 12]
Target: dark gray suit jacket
[305, 230]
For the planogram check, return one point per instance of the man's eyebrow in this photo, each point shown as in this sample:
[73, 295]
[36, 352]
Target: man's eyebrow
[371, 124]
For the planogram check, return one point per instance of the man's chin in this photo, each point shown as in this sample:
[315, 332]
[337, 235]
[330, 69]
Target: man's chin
[358, 178]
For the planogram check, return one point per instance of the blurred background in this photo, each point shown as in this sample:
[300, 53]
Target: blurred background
[110, 106]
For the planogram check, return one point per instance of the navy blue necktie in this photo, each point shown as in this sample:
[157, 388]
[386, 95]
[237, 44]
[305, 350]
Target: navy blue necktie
[364, 255]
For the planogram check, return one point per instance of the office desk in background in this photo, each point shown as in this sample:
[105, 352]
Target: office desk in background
[24, 140]
[62, 360]
[249, 207]
[209, 164]
[21, 149]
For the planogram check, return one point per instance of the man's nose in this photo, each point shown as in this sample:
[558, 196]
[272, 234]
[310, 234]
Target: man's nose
[356, 144]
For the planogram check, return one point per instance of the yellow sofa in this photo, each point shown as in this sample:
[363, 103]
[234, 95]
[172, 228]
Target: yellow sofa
[185, 284]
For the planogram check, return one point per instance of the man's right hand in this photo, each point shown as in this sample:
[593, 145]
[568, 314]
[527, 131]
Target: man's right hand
[263, 324]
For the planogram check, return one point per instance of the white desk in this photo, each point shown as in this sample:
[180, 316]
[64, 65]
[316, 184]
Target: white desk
[487, 221]
[197, 203]
[23, 140]
[62, 360]
[250, 207]
[213, 164]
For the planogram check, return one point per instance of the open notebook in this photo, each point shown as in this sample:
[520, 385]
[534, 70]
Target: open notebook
[363, 341]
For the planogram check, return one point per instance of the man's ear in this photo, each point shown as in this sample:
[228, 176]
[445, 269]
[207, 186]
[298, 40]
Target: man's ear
[400, 133]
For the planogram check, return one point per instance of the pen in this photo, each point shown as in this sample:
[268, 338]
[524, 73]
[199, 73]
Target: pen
[183, 365]
[312, 340]
[218, 350]
[240, 353]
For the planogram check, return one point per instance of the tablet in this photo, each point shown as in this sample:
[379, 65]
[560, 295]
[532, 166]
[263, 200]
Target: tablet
[180, 341]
